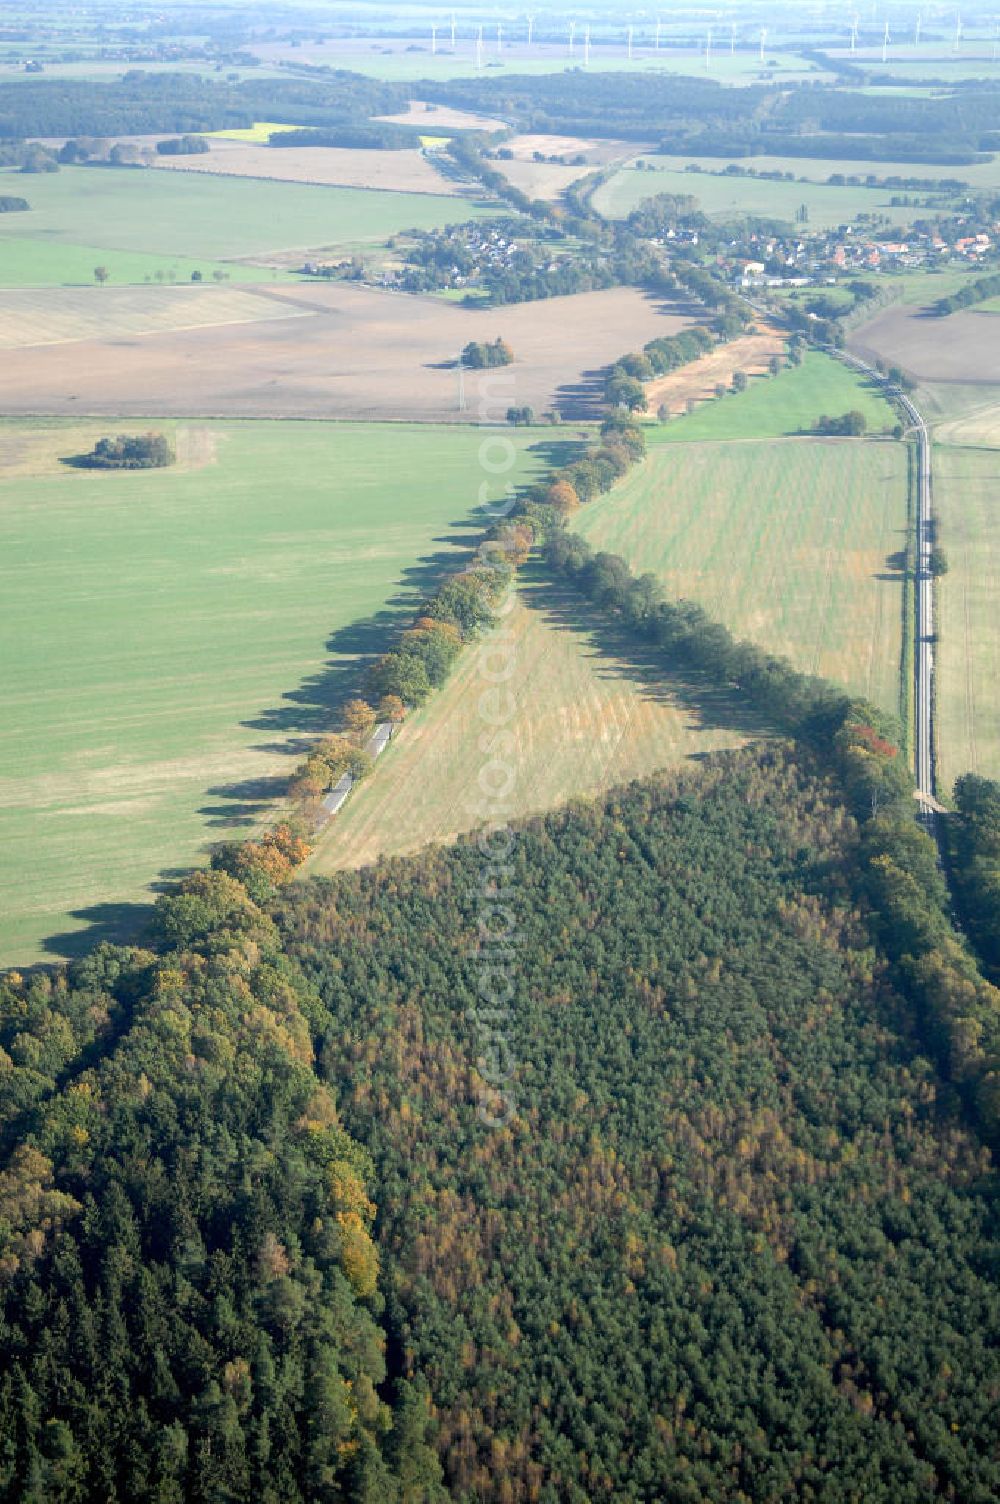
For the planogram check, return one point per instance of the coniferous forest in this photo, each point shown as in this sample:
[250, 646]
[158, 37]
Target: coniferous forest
[735, 1240]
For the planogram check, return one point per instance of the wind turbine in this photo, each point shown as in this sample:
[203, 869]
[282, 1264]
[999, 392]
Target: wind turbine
[958, 33]
[586, 46]
[885, 43]
[434, 40]
[996, 35]
[708, 50]
[763, 39]
[479, 48]
[453, 33]
[732, 40]
[854, 36]
[531, 26]
[658, 25]
[572, 35]
[630, 44]
[916, 34]
[499, 37]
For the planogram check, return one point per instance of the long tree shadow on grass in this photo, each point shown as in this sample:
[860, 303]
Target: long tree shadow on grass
[113, 922]
[304, 713]
[617, 653]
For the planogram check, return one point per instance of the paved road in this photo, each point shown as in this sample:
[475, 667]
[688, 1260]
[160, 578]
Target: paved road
[924, 658]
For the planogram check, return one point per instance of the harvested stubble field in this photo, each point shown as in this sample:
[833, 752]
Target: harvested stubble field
[967, 501]
[696, 382]
[793, 543]
[405, 171]
[359, 354]
[588, 713]
[166, 638]
[52, 316]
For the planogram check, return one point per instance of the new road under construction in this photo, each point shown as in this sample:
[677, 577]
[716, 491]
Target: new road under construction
[923, 658]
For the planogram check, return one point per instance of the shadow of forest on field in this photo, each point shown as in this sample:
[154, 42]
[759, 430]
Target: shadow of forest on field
[618, 653]
[310, 709]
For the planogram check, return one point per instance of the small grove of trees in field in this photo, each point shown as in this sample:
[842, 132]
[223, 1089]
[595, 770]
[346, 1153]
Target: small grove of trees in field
[10, 204]
[480, 355]
[183, 146]
[521, 416]
[848, 425]
[142, 451]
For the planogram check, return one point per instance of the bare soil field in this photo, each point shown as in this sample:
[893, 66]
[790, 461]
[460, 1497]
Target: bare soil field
[327, 166]
[963, 348]
[57, 315]
[544, 180]
[697, 382]
[547, 180]
[598, 153]
[359, 353]
[433, 118]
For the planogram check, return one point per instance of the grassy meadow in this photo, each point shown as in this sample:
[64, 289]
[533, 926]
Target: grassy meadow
[728, 197]
[190, 220]
[779, 406]
[967, 500]
[588, 713]
[788, 541]
[168, 637]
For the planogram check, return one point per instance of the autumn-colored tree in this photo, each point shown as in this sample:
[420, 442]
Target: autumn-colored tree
[359, 717]
[391, 708]
[563, 497]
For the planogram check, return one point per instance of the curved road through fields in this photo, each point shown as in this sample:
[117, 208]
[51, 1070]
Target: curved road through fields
[924, 658]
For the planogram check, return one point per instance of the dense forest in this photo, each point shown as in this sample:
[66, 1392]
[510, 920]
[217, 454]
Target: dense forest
[180, 103]
[732, 1242]
[260, 1241]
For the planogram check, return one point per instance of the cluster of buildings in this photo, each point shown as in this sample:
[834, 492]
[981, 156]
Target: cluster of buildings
[802, 260]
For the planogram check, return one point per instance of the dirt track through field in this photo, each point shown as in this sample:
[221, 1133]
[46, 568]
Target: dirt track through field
[345, 351]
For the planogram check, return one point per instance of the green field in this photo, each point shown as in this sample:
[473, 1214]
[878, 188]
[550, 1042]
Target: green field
[818, 169]
[779, 406]
[733, 196]
[588, 714]
[42, 263]
[787, 541]
[967, 501]
[166, 215]
[166, 636]
[514, 61]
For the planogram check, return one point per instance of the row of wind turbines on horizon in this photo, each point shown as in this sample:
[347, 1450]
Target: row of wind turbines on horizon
[578, 39]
